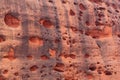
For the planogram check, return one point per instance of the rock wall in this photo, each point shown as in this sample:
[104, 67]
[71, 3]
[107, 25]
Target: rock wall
[59, 39]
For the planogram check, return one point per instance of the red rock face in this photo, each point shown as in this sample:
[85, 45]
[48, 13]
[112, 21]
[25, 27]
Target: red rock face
[59, 39]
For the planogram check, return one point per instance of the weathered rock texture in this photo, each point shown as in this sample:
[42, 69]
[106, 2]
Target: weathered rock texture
[59, 39]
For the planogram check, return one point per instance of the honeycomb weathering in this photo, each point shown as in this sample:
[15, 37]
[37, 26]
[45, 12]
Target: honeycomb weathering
[59, 39]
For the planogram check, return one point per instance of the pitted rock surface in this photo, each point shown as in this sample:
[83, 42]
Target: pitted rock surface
[59, 39]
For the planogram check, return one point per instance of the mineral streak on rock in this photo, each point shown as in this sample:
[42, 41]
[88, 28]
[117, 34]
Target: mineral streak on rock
[59, 39]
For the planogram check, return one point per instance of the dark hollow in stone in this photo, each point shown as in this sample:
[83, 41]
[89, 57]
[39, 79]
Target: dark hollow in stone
[86, 55]
[50, 1]
[11, 20]
[34, 68]
[92, 67]
[108, 73]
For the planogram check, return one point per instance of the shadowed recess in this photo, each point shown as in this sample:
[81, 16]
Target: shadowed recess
[11, 20]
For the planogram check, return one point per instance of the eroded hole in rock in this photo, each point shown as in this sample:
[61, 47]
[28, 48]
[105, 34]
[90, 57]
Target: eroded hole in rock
[92, 67]
[101, 15]
[2, 38]
[51, 1]
[118, 35]
[16, 73]
[35, 40]
[114, 6]
[29, 57]
[98, 62]
[5, 71]
[12, 68]
[72, 13]
[11, 20]
[44, 57]
[73, 56]
[64, 1]
[82, 7]
[86, 55]
[44, 66]
[74, 29]
[59, 67]
[75, 3]
[18, 34]
[46, 23]
[57, 40]
[64, 37]
[117, 11]
[101, 8]
[99, 71]
[66, 55]
[108, 72]
[11, 54]
[115, 72]
[33, 68]
[80, 13]
[69, 42]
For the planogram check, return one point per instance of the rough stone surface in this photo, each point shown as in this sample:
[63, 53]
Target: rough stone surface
[59, 39]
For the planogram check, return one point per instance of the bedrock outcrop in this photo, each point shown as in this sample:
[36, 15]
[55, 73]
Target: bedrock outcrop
[59, 39]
